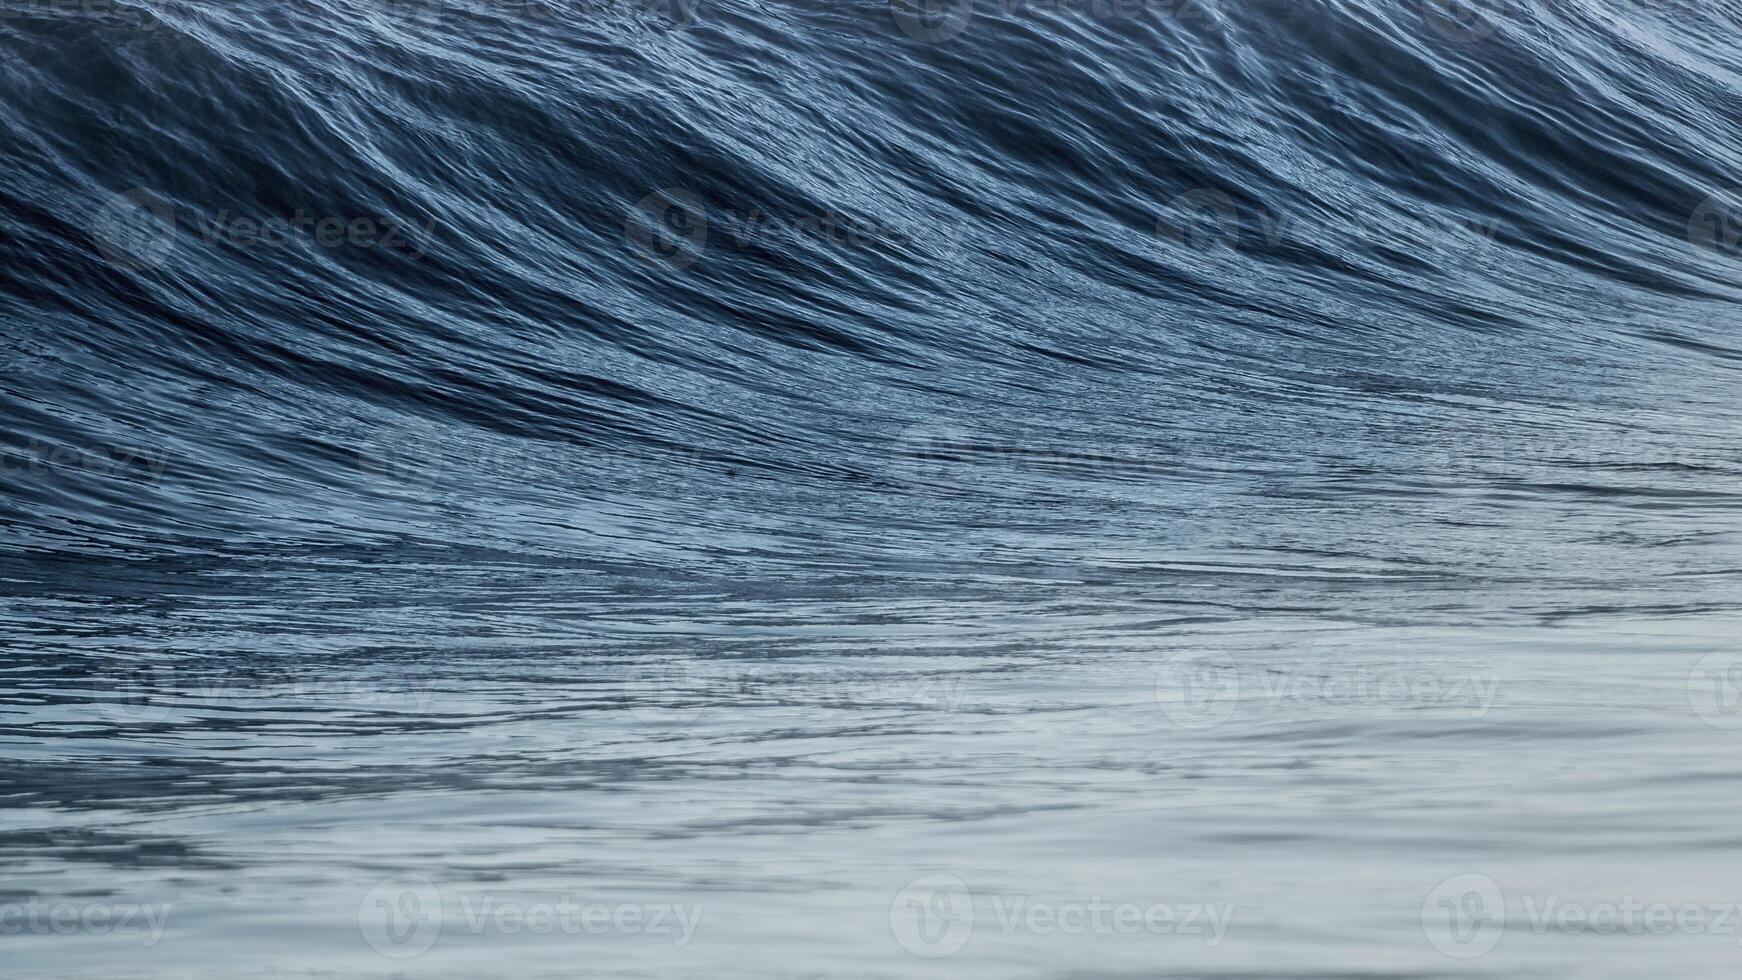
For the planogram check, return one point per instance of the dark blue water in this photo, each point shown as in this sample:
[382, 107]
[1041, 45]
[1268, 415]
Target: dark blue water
[1231, 488]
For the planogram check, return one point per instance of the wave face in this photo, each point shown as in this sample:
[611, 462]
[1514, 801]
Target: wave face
[769, 290]
[512, 346]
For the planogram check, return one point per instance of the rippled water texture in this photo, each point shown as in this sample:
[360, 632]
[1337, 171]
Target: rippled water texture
[1204, 488]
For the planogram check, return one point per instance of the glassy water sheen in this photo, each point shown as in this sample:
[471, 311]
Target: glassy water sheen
[1188, 488]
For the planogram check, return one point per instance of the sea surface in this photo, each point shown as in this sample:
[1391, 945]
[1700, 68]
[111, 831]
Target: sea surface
[996, 489]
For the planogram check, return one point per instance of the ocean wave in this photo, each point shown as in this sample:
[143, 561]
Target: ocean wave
[321, 273]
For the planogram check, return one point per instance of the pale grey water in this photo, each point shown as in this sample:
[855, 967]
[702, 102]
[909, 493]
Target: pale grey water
[834, 787]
